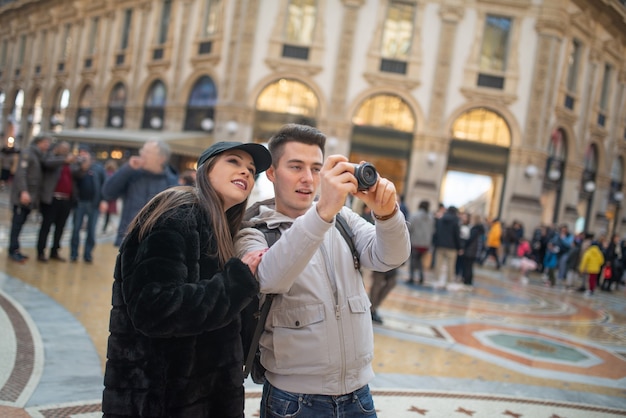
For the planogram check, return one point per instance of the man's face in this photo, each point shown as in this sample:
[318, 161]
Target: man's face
[296, 178]
[152, 159]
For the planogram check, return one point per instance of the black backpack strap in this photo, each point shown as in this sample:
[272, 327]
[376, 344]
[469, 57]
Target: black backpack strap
[271, 236]
[348, 235]
[262, 317]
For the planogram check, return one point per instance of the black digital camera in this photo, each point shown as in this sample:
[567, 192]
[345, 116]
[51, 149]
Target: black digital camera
[366, 175]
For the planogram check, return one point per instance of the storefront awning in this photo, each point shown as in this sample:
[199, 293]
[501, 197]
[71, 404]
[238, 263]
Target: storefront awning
[190, 144]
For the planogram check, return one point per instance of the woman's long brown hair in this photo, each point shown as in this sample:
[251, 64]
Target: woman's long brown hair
[225, 225]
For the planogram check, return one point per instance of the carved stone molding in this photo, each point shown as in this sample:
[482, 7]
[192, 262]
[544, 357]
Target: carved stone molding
[285, 65]
[496, 97]
[383, 79]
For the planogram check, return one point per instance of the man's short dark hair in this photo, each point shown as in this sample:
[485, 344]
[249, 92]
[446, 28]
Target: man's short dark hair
[294, 132]
[425, 205]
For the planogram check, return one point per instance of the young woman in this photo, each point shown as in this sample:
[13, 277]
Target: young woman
[174, 348]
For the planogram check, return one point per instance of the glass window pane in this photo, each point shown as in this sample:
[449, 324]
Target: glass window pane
[398, 31]
[128, 17]
[572, 66]
[118, 96]
[386, 110]
[211, 9]
[156, 95]
[203, 94]
[165, 21]
[606, 85]
[617, 170]
[301, 16]
[288, 96]
[67, 43]
[482, 125]
[493, 54]
[556, 146]
[591, 159]
[93, 36]
[22, 50]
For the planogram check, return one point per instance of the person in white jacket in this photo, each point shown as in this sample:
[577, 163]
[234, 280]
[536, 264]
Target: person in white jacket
[317, 345]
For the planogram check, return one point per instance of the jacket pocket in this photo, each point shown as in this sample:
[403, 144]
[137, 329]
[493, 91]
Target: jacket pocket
[360, 324]
[300, 337]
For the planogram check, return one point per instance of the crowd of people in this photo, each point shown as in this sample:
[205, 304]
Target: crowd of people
[456, 241]
[58, 182]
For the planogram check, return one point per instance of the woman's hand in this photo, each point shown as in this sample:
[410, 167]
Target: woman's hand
[253, 258]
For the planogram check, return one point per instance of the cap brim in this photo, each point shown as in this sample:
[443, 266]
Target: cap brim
[261, 155]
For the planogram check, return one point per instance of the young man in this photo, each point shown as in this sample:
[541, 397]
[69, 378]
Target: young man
[318, 339]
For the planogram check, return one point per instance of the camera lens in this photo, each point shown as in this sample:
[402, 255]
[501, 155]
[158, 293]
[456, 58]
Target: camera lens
[366, 175]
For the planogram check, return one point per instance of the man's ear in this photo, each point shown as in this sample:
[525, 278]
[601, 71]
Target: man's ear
[269, 173]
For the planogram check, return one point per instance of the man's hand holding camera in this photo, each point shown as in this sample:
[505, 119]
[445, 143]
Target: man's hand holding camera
[339, 178]
[337, 181]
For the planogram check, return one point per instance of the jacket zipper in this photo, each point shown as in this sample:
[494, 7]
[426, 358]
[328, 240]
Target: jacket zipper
[331, 276]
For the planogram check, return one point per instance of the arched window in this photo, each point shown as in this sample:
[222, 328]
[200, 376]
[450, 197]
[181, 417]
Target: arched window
[284, 101]
[117, 106]
[386, 111]
[482, 125]
[557, 154]
[57, 120]
[85, 103]
[591, 168]
[154, 107]
[382, 133]
[35, 115]
[617, 177]
[200, 115]
[288, 96]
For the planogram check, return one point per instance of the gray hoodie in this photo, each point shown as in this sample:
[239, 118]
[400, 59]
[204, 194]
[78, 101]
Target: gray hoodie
[318, 336]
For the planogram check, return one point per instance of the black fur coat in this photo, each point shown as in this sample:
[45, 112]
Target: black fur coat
[174, 347]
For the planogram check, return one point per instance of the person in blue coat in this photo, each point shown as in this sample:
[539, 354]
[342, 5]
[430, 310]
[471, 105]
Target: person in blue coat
[89, 176]
[138, 181]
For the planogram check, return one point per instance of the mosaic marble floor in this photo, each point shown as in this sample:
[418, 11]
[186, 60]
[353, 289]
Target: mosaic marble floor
[504, 349]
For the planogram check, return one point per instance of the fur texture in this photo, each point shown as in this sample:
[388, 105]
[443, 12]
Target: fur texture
[175, 348]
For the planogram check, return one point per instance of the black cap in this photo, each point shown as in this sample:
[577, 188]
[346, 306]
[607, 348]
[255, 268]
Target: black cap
[261, 156]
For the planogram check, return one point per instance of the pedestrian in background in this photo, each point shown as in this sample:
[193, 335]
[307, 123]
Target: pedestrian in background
[473, 248]
[110, 166]
[57, 199]
[464, 234]
[448, 246]
[591, 264]
[493, 242]
[421, 230]
[175, 348]
[26, 190]
[89, 177]
[138, 181]
[441, 210]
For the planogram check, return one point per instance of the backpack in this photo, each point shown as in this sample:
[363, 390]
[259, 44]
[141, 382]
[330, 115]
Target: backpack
[253, 318]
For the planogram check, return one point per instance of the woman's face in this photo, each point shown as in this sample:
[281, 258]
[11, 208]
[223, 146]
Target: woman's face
[232, 176]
